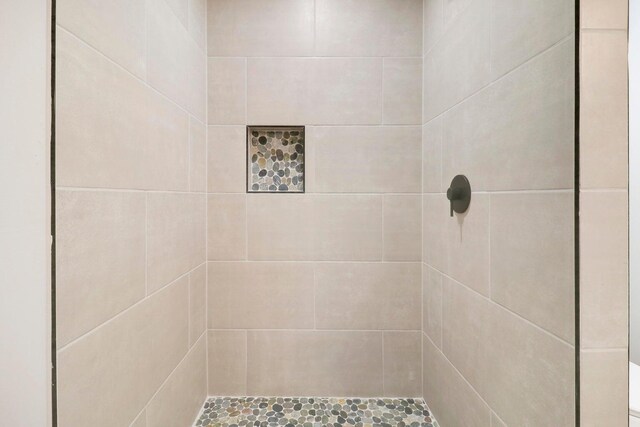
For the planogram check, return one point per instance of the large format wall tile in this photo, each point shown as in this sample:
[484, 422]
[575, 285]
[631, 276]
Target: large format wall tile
[112, 130]
[604, 269]
[176, 64]
[100, 258]
[532, 259]
[314, 363]
[370, 159]
[368, 27]
[227, 91]
[604, 14]
[432, 304]
[260, 295]
[459, 246]
[402, 227]
[175, 236]
[197, 155]
[600, 371]
[227, 359]
[453, 401]
[402, 364]
[260, 28]
[321, 228]
[226, 227]
[432, 178]
[197, 303]
[116, 28]
[180, 9]
[520, 29]
[504, 136]
[108, 376]
[402, 91]
[180, 399]
[604, 110]
[459, 64]
[525, 374]
[286, 91]
[432, 23]
[198, 22]
[365, 296]
[227, 168]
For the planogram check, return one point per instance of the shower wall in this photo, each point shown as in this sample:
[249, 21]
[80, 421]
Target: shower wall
[498, 343]
[131, 211]
[316, 293]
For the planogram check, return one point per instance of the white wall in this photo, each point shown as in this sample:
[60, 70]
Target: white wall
[24, 213]
[634, 178]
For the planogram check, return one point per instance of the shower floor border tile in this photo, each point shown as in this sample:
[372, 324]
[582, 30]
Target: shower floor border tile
[314, 412]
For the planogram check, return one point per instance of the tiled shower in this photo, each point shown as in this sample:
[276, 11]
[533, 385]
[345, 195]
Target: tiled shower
[340, 282]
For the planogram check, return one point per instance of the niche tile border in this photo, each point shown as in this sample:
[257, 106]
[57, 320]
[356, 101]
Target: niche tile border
[275, 159]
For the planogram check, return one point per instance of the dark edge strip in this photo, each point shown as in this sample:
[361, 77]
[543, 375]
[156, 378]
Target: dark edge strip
[576, 218]
[52, 179]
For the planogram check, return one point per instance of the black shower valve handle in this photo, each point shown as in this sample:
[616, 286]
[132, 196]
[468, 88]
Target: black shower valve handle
[459, 194]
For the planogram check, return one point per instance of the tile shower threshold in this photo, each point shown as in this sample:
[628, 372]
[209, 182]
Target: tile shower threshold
[314, 412]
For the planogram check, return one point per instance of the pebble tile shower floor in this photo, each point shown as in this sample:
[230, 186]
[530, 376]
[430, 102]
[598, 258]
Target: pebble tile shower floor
[314, 412]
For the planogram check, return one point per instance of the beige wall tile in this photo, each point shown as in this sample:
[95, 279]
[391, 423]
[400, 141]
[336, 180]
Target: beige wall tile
[176, 64]
[532, 258]
[364, 296]
[321, 228]
[432, 23]
[522, 372]
[365, 159]
[226, 159]
[521, 29]
[603, 110]
[371, 27]
[227, 358]
[604, 14]
[402, 103]
[259, 295]
[226, 227]
[604, 269]
[108, 376]
[496, 421]
[179, 400]
[347, 228]
[100, 258]
[227, 91]
[459, 64]
[453, 401]
[432, 157]
[141, 421]
[285, 27]
[197, 155]
[271, 239]
[531, 374]
[403, 364]
[314, 363]
[197, 303]
[459, 246]
[402, 227]
[282, 91]
[600, 371]
[89, 94]
[198, 22]
[180, 9]
[175, 236]
[432, 305]
[484, 136]
[115, 28]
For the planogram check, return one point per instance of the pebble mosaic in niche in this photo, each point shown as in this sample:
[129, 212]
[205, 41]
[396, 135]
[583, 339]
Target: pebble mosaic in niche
[275, 159]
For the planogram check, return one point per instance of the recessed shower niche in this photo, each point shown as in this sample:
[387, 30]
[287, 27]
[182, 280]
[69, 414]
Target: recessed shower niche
[275, 159]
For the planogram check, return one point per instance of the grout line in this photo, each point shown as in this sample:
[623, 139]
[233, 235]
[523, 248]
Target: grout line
[306, 330]
[126, 310]
[146, 245]
[507, 309]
